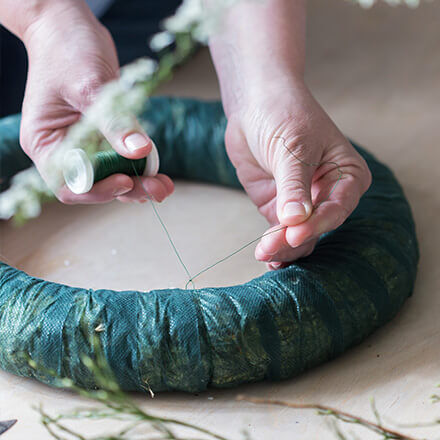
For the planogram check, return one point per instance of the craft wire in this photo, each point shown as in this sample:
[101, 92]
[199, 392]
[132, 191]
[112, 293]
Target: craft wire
[179, 257]
[156, 213]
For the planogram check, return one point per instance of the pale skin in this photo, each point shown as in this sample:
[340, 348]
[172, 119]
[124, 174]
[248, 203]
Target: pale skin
[259, 57]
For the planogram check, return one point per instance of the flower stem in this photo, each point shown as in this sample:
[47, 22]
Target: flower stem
[330, 411]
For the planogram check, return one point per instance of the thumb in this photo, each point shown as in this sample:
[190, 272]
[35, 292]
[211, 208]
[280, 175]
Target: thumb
[293, 182]
[122, 131]
[126, 136]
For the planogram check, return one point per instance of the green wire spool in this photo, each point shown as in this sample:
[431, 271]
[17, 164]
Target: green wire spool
[81, 172]
[272, 327]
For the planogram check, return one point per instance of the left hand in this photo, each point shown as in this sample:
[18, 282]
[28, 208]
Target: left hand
[307, 199]
[62, 84]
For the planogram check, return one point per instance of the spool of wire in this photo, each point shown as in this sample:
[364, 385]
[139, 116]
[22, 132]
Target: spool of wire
[81, 171]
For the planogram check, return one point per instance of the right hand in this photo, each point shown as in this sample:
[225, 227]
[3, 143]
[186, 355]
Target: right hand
[296, 166]
[71, 55]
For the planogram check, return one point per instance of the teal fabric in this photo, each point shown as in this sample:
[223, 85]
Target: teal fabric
[12, 157]
[272, 327]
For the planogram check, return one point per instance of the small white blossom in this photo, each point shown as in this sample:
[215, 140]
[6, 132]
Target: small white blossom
[7, 205]
[199, 18]
[25, 195]
[188, 14]
[139, 70]
[30, 207]
[161, 40]
[115, 105]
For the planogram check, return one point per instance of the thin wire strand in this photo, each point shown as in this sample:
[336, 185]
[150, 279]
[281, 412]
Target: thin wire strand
[177, 253]
[314, 164]
[156, 213]
[191, 280]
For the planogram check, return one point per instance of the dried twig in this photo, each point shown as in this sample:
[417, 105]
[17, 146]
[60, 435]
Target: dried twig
[324, 410]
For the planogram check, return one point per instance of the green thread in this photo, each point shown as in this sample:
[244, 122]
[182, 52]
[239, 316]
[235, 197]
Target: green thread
[156, 213]
[314, 164]
[191, 280]
[177, 253]
[106, 163]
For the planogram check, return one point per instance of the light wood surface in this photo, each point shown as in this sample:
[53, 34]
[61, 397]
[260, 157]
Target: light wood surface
[377, 73]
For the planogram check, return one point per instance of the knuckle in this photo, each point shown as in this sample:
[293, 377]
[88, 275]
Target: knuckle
[294, 183]
[338, 217]
[86, 89]
[298, 148]
[344, 212]
[292, 147]
[364, 176]
[35, 145]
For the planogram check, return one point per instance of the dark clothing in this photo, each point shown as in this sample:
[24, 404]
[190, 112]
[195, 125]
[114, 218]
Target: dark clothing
[131, 22]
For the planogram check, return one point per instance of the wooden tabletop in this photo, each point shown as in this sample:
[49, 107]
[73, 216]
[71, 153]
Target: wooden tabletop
[377, 73]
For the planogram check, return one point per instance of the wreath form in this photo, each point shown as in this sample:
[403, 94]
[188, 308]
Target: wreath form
[272, 327]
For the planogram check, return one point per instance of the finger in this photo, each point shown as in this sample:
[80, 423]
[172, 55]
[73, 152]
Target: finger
[272, 241]
[169, 184]
[126, 136]
[293, 181]
[300, 252]
[285, 253]
[103, 191]
[331, 213]
[146, 188]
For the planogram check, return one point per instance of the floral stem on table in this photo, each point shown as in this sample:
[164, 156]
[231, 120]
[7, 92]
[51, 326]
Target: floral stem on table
[323, 410]
[114, 404]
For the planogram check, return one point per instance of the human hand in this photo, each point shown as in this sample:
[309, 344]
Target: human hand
[276, 143]
[71, 55]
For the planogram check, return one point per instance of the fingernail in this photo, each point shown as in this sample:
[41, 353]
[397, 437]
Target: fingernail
[276, 265]
[294, 209]
[121, 191]
[135, 141]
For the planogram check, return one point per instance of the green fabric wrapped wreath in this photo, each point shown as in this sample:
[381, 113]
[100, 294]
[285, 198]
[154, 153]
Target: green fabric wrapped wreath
[272, 327]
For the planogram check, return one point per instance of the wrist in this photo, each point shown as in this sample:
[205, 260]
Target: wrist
[259, 92]
[47, 17]
[259, 47]
[272, 83]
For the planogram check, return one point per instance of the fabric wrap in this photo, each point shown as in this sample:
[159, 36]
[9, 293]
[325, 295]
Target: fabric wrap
[272, 327]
